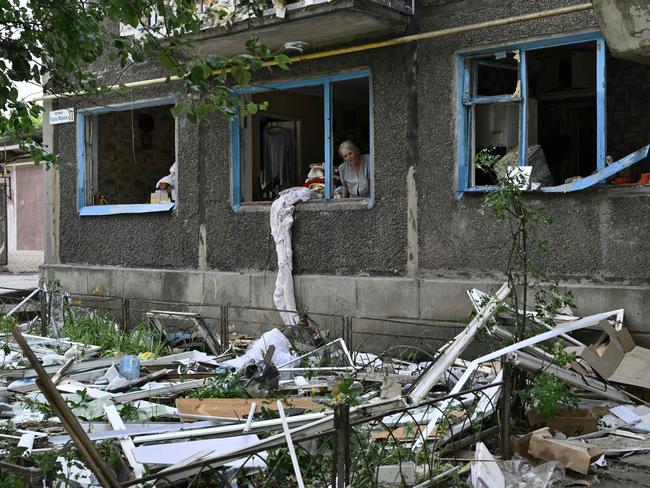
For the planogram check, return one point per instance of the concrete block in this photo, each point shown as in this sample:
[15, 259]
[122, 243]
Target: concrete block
[142, 283]
[227, 289]
[262, 289]
[182, 286]
[595, 299]
[105, 281]
[396, 474]
[71, 278]
[253, 322]
[332, 325]
[377, 336]
[387, 297]
[447, 299]
[328, 294]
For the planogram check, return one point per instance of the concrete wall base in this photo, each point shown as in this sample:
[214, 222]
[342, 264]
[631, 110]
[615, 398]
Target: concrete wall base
[24, 261]
[390, 311]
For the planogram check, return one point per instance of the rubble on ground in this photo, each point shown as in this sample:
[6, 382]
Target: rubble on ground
[239, 412]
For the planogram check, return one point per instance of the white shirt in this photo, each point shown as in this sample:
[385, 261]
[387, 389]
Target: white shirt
[358, 184]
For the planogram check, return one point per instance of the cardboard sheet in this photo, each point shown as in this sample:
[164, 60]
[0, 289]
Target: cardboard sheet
[569, 421]
[238, 408]
[573, 456]
[616, 358]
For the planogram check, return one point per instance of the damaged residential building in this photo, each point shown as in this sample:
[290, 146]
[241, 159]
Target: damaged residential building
[421, 88]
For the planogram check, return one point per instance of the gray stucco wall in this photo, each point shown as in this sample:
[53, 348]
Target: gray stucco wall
[332, 241]
[145, 240]
[606, 227]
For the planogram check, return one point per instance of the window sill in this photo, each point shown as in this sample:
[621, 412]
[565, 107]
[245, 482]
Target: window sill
[311, 205]
[95, 210]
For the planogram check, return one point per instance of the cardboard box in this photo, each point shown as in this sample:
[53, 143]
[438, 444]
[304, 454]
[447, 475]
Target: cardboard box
[574, 456]
[616, 358]
[569, 421]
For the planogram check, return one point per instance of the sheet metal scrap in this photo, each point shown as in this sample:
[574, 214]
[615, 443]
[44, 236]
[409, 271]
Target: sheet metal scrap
[96, 463]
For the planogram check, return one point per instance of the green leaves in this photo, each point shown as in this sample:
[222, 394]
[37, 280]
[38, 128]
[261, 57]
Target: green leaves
[241, 75]
[545, 393]
[71, 42]
[283, 61]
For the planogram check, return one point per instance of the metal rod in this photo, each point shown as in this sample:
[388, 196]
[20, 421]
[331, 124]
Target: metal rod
[225, 333]
[249, 419]
[96, 463]
[506, 398]
[29, 297]
[44, 314]
[435, 371]
[227, 429]
[292, 451]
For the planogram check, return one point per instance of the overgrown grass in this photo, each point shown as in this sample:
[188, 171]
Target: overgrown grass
[225, 386]
[99, 329]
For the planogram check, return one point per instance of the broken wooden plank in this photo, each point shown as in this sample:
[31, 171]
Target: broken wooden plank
[238, 408]
[141, 381]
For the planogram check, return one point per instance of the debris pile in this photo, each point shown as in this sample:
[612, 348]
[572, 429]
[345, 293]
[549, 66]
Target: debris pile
[298, 408]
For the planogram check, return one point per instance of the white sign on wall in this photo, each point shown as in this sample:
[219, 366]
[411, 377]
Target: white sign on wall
[62, 116]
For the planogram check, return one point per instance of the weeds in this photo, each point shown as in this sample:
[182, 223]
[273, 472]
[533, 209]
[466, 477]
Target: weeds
[547, 392]
[7, 323]
[50, 463]
[100, 330]
[226, 386]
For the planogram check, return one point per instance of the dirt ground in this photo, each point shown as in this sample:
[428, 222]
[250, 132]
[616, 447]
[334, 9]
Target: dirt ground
[631, 471]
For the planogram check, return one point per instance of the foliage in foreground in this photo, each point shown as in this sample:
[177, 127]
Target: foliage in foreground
[55, 44]
[508, 203]
[98, 329]
[49, 462]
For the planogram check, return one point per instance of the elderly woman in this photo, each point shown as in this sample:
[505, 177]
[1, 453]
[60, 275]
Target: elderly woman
[354, 172]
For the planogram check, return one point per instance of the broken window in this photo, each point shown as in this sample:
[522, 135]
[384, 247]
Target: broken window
[295, 141]
[127, 159]
[540, 104]
[562, 109]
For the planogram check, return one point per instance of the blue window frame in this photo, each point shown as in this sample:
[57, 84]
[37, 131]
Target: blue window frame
[89, 162]
[327, 92]
[508, 99]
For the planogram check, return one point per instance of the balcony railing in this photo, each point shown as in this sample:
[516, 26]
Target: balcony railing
[316, 22]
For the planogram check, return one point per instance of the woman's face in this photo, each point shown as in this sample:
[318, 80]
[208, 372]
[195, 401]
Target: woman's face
[348, 155]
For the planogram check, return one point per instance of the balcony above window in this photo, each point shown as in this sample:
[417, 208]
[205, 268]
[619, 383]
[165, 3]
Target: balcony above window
[624, 24]
[319, 23]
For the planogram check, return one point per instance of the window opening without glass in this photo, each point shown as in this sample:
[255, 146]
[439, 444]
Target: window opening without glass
[129, 151]
[539, 104]
[127, 159]
[295, 141]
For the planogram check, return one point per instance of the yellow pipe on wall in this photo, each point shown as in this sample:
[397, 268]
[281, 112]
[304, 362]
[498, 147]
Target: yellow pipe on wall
[377, 45]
